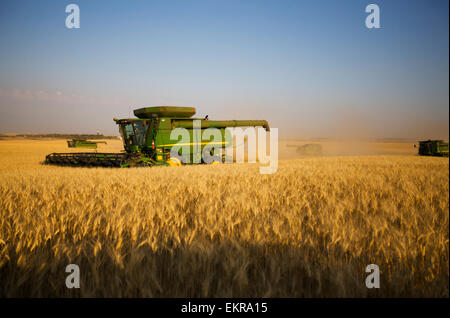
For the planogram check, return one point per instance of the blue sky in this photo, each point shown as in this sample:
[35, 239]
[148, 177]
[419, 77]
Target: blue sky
[311, 68]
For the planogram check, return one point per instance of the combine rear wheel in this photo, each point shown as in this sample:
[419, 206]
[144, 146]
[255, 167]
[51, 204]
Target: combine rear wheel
[218, 160]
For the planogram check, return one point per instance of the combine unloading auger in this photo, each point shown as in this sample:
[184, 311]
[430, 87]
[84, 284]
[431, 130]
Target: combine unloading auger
[146, 139]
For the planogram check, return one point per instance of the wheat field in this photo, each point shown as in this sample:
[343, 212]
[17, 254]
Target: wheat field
[309, 230]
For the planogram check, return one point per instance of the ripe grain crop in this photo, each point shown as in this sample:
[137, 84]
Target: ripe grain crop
[309, 230]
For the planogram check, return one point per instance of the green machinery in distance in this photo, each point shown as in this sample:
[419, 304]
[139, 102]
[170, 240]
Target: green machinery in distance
[83, 143]
[308, 149]
[146, 139]
[433, 148]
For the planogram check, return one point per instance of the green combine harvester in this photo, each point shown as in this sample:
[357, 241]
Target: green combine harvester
[308, 149]
[438, 148]
[83, 143]
[146, 139]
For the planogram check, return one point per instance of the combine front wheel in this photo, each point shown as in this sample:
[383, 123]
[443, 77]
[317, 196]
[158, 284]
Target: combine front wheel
[174, 162]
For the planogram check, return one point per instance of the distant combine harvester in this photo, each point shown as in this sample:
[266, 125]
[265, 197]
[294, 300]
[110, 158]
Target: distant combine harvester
[437, 148]
[308, 149]
[83, 143]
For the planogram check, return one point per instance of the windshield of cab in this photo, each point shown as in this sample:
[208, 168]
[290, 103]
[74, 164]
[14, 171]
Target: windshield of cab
[133, 133]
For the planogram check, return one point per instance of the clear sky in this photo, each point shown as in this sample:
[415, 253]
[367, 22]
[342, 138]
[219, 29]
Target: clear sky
[311, 68]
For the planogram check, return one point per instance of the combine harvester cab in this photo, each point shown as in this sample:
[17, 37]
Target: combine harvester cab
[146, 139]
